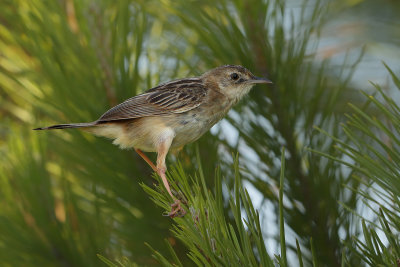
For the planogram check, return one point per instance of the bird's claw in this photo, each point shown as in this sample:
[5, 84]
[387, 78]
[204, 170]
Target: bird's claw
[177, 210]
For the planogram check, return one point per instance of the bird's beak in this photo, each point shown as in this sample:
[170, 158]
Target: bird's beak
[259, 80]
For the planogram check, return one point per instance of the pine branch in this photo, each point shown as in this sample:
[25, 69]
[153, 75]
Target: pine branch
[374, 156]
[211, 236]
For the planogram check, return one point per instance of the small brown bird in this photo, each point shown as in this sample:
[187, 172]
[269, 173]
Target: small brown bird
[172, 115]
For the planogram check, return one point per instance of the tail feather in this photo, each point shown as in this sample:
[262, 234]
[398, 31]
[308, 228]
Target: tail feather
[68, 125]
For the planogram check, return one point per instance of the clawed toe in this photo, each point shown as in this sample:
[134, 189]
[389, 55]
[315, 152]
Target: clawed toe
[177, 210]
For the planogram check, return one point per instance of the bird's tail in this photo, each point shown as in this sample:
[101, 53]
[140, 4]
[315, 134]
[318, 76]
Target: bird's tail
[68, 125]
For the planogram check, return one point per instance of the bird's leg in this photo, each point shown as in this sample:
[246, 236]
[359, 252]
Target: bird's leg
[177, 210]
[160, 171]
[140, 152]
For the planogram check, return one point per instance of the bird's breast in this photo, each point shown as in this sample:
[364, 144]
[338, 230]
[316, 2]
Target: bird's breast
[191, 125]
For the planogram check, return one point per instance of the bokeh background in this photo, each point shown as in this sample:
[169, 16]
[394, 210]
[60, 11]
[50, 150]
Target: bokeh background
[66, 196]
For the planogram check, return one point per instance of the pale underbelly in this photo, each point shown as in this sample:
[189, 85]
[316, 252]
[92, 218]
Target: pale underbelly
[147, 133]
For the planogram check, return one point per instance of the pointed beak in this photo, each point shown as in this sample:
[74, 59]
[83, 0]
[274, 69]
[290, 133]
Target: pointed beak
[259, 80]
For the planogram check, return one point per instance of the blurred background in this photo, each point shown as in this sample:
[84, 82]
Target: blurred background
[66, 196]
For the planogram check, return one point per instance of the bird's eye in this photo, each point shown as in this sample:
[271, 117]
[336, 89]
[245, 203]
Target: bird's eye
[234, 76]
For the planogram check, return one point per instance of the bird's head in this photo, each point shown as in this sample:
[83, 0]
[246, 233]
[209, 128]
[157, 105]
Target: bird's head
[234, 81]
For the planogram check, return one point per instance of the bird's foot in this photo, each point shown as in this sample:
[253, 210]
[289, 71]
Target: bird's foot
[177, 210]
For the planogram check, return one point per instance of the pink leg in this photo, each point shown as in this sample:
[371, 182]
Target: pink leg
[159, 170]
[177, 210]
[140, 152]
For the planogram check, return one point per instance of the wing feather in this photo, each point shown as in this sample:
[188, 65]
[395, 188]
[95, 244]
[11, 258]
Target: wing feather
[172, 97]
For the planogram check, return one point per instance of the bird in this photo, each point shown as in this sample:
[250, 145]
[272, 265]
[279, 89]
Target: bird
[171, 115]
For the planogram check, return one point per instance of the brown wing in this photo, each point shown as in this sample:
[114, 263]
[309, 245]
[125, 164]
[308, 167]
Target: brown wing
[173, 97]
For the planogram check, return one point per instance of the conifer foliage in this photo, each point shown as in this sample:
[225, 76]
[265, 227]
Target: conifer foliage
[326, 171]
